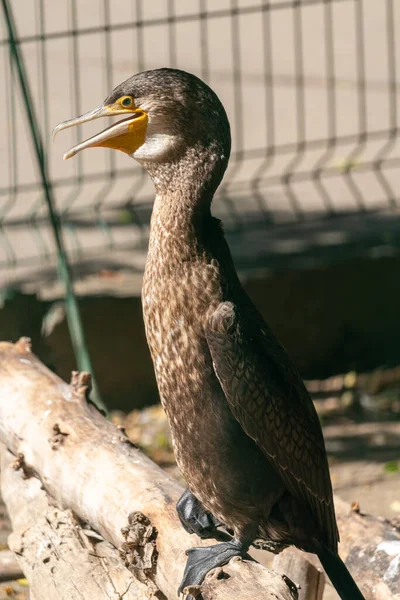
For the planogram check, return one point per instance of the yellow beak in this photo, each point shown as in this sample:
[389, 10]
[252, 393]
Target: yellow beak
[127, 135]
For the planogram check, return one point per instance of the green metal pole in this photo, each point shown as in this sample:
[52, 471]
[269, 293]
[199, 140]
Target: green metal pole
[72, 310]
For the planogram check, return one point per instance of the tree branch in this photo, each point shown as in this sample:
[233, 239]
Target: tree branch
[89, 466]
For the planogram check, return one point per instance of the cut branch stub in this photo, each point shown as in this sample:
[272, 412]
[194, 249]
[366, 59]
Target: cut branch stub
[139, 551]
[81, 385]
[23, 345]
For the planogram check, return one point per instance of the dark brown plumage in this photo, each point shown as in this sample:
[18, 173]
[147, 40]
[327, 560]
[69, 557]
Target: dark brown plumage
[245, 432]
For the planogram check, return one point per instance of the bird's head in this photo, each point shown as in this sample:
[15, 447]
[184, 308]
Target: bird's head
[165, 113]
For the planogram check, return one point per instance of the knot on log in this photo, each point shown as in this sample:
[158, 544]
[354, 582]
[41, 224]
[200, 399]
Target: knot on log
[23, 345]
[193, 590]
[81, 385]
[123, 437]
[19, 464]
[139, 551]
[58, 437]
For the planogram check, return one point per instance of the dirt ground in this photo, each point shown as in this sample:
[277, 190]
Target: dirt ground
[364, 460]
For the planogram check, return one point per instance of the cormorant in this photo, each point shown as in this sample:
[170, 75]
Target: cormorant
[245, 432]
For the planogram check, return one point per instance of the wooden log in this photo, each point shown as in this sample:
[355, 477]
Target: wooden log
[371, 548]
[89, 466]
[60, 559]
[308, 577]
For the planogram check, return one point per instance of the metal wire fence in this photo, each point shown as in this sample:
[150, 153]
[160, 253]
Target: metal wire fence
[312, 91]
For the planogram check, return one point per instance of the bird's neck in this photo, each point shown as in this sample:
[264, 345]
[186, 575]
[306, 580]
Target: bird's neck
[177, 226]
[184, 191]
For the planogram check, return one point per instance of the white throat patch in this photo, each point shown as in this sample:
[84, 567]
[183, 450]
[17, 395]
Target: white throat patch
[157, 145]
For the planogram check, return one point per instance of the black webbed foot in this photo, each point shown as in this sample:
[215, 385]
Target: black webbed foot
[194, 517]
[201, 560]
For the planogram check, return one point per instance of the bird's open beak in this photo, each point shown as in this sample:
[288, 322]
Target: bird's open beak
[127, 135]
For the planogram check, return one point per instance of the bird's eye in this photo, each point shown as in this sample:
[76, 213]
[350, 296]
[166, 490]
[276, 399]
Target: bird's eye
[126, 101]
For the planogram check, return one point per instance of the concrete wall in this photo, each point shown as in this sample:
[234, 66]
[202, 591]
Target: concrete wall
[331, 320]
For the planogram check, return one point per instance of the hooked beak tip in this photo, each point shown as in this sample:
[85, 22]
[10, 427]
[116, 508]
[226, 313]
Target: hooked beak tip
[69, 154]
[57, 130]
[99, 111]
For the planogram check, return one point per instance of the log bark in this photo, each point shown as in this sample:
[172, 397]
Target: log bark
[89, 466]
[60, 559]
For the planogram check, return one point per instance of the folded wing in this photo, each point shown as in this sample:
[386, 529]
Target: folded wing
[267, 396]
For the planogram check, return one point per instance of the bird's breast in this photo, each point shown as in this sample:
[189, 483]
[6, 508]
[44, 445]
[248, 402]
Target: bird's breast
[177, 303]
[175, 313]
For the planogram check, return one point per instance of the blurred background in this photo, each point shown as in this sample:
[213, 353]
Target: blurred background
[310, 202]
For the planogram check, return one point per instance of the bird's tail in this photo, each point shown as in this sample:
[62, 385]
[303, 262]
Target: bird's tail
[340, 577]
